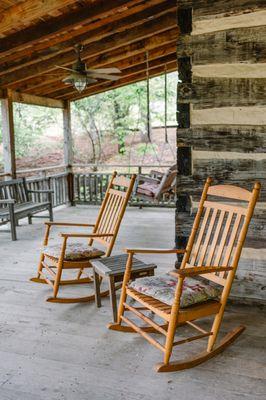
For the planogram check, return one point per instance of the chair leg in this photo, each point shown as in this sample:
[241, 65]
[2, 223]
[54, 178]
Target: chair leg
[38, 279]
[169, 340]
[30, 219]
[215, 329]
[57, 279]
[13, 227]
[123, 295]
[51, 215]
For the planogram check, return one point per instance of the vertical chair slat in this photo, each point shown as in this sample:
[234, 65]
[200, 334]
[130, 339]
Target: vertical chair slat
[196, 248]
[205, 244]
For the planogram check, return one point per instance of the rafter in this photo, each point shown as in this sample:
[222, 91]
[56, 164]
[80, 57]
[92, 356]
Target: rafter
[35, 38]
[113, 42]
[126, 73]
[51, 86]
[107, 29]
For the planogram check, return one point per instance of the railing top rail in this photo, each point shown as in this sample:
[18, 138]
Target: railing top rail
[123, 165]
[39, 169]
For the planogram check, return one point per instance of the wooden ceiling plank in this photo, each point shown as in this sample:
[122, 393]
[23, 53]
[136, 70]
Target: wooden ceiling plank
[25, 44]
[96, 34]
[127, 72]
[138, 77]
[26, 11]
[48, 87]
[47, 29]
[115, 41]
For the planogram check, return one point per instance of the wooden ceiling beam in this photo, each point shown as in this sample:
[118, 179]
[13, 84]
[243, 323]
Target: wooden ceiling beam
[35, 100]
[25, 44]
[127, 72]
[45, 30]
[113, 42]
[137, 78]
[26, 11]
[107, 29]
[45, 87]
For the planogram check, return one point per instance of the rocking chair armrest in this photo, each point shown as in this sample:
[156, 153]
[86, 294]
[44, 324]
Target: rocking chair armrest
[68, 224]
[192, 271]
[155, 251]
[86, 235]
[41, 191]
[7, 201]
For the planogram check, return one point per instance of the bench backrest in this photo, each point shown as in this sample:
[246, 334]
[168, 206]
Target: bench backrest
[14, 189]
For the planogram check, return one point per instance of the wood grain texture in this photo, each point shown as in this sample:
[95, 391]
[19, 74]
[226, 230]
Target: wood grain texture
[224, 138]
[206, 8]
[251, 116]
[246, 44]
[202, 93]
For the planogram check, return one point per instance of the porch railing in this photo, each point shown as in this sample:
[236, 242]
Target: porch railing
[83, 188]
[90, 188]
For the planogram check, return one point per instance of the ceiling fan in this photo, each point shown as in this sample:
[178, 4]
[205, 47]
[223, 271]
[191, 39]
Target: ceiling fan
[80, 76]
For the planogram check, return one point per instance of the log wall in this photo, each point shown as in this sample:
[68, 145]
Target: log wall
[221, 108]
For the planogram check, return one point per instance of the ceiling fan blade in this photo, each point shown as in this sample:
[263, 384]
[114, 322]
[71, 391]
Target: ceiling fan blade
[65, 68]
[90, 80]
[105, 71]
[103, 76]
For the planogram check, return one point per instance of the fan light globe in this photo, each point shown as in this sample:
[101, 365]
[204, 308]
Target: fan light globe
[80, 83]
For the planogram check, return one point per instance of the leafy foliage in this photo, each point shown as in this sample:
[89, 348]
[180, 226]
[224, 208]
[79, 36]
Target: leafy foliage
[123, 111]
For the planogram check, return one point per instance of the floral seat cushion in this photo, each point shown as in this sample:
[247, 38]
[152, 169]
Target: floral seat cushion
[74, 251]
[147, 188]
[162, 287]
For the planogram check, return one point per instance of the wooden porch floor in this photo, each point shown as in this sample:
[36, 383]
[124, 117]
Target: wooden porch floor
[64, 352]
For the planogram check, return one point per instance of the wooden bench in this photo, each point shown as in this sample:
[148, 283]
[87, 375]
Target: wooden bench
[16, 203]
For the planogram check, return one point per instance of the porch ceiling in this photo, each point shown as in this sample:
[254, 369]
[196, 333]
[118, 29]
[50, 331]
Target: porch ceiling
[35, 36]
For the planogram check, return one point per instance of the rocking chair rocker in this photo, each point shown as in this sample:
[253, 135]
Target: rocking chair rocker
[211, 256]
[56, 258]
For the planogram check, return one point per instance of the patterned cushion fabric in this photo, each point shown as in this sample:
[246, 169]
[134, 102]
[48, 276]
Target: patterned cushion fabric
[149, 189]
[162, 287]
[74, 251]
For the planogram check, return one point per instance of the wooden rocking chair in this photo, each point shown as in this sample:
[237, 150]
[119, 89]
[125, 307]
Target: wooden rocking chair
[212, 255]
[157, 185]
[56, 258]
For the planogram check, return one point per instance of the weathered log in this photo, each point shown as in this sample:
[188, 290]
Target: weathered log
[202, 93]
[207, 8]
[250, 139]
[236, 45]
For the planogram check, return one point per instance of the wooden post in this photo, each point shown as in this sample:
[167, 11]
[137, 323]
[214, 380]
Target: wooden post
[8, 137]
[68, 150]
[184, 164]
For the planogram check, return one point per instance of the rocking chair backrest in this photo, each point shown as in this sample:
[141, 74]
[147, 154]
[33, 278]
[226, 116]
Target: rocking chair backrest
[220, 229]
[112, 209]
[167, 181]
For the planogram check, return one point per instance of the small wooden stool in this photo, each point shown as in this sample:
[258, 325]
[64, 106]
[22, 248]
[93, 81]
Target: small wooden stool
[114, 268]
